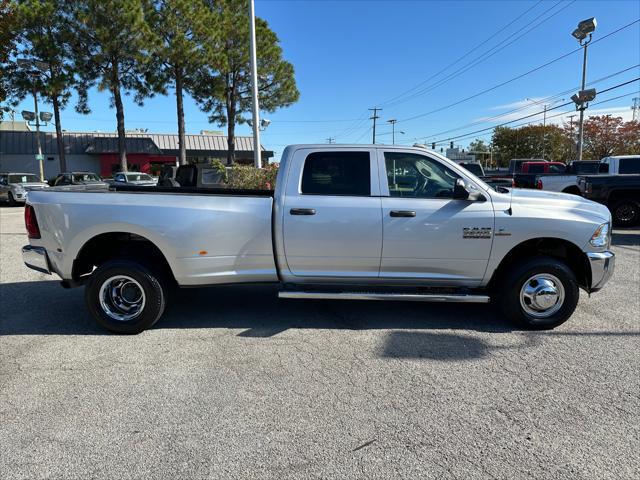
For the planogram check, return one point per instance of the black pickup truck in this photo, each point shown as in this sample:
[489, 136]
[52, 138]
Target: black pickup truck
[620, 193]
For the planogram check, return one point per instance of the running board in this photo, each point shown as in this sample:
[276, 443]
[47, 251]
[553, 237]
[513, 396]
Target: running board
[404, 297]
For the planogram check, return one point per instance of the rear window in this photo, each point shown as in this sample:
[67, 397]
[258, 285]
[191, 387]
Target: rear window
[474, 168]
[535, 168]
[337, 173]
[629, 165]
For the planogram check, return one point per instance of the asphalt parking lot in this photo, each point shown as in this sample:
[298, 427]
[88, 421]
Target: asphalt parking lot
[234, 383]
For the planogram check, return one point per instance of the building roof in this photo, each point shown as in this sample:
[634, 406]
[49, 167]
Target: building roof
[24, 143]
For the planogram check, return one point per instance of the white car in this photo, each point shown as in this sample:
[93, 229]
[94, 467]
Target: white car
[134, 178]
[14, 186]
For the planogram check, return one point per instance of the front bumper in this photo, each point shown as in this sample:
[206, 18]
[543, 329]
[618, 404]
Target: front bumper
[602, 265]
[20, 197]
[36, 258]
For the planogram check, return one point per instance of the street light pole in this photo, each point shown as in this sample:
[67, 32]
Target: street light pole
[583, 33]
[257, 161]
[40, 158]
[582, 108]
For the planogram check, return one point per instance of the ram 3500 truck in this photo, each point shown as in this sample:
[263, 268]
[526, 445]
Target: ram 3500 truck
[344, 222]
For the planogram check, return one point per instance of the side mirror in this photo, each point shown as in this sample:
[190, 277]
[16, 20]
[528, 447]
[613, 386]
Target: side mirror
[460, 192]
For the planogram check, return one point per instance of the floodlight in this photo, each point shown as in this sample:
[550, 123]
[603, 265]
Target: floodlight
[28, 116]
[46, 116]
[585, 27]
[264, 123]
[575, 98]
[587, 95]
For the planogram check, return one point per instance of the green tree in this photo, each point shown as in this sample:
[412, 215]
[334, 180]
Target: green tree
[43, 39]
[178, 56]
[527, 142]
[111, 42]
[223, 89]
[8, 34]
[478, 146]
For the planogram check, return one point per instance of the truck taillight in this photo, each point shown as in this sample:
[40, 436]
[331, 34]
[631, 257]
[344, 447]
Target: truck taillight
[588, 188]
[513, 183]
[30, 221]
[539, 184]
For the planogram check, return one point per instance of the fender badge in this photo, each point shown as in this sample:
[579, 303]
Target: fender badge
[476, 232]
[502, 233]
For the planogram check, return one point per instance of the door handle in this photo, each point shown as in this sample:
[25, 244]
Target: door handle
[402, 213]
[302, 211]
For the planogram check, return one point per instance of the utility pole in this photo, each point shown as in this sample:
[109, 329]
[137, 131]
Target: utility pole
[40, 157]
[330, 140]
[393, 122]
[636, 108]
[257, 161]
[572, 137]
[374, 117]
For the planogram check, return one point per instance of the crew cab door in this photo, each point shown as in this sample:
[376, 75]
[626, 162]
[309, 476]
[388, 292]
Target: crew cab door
[332, 220]
[429, 236]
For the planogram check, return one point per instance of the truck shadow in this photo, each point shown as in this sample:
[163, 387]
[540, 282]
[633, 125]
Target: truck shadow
[44, 308]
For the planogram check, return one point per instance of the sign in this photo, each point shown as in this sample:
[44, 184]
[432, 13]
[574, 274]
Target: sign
[40, 157]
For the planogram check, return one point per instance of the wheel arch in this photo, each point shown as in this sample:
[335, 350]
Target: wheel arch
[558, 248]
[109, 245]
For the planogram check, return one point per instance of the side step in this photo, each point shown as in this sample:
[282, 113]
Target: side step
[403, 297]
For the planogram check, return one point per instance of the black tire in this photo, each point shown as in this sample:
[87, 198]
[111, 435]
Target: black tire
[625, 212]
[152, 302]
[508, 294]
[11, 200]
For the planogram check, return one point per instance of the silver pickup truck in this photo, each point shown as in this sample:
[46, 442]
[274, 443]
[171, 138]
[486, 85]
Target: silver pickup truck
[344, 222]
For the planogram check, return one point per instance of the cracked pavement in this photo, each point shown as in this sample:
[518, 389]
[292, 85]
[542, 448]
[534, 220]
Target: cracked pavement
[234, 383]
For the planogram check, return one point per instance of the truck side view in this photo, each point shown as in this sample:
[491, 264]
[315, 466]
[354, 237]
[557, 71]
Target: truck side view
[344, 222]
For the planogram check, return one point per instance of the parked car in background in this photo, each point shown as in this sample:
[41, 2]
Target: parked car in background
[358, 222]
[526, 178]
[134, 178]
[495, 181]
[620, 165]
[515, 164]
[80, 181]
[14, 186]
[620, 193]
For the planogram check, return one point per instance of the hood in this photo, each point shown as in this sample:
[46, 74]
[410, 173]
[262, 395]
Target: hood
[555, 202]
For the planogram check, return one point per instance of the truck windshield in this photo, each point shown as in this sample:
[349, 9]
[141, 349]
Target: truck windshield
[23, 178]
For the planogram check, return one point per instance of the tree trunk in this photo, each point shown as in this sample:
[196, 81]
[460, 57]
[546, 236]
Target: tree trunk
[117, 97]
[182, 147]
[231, 134]
[59, 137]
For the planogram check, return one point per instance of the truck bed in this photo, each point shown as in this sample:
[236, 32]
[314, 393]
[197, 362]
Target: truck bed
[206, 236]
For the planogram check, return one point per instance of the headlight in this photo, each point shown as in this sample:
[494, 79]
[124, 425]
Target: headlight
[601, 236]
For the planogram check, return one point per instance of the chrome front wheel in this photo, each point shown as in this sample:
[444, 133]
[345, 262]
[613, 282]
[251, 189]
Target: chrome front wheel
[542, 295]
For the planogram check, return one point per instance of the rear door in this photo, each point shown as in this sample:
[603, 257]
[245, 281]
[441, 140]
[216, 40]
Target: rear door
[428, 236]
[332, 220]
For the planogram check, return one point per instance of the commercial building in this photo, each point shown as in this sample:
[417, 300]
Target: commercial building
[98, 152]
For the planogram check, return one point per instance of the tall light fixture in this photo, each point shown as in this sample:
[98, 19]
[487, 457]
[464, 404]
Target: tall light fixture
[583, 34]
[257, 161]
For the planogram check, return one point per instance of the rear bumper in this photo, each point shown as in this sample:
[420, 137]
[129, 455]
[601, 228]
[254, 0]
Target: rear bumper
[36, 258]
[602, 265]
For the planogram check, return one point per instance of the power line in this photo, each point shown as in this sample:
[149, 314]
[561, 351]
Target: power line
[439, 142]
[500, 30]
[527, 106]
[485, 55]
[511, 80]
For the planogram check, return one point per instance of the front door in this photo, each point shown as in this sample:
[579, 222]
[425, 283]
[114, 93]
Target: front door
[427, 235]
[332, 214]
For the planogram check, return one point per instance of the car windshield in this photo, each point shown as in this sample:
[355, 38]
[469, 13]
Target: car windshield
[139, 177]
[86, 178]
[23, 178]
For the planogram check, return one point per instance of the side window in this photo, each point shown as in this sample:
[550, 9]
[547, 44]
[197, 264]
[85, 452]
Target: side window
[629, 165]
[604, 167]
[3, 179]
[337, 173]
[416, 176]
[536, 169]
[556, 169]
[119, 178]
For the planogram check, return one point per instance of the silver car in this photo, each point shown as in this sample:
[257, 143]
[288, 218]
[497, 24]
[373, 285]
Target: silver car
[14, 186]
[134, 178]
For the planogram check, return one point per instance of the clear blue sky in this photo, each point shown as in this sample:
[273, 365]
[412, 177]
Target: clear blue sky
[353, 55]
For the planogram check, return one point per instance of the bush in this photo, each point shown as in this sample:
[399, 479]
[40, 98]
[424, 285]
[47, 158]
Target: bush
[248, 177]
